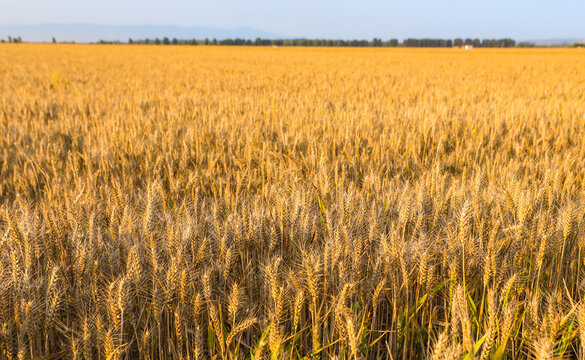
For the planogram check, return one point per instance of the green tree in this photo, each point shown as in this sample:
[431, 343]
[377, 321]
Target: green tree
[458, 42]
[525, 44]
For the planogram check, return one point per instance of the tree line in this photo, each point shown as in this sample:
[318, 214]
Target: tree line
[12, 40]
[375, 42]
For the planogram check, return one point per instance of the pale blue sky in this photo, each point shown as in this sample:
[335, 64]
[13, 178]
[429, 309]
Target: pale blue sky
[520, 19]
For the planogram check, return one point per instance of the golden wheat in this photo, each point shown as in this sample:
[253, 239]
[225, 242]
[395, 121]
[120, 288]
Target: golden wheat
[217, 202]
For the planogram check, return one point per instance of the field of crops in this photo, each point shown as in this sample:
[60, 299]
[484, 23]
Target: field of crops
[285, 203]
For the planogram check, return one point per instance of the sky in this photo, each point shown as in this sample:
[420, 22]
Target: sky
[343, 19]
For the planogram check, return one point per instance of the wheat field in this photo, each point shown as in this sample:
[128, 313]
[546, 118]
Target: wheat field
[287, 203]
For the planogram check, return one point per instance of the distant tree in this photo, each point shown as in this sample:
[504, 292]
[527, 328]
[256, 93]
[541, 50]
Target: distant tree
[505, 43]
[9, 38]
[130, 41]
[375, 42]
[409, 43]
[525, 45]
[54, 40]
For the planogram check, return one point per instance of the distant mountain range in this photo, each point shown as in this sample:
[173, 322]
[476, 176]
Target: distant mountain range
[93, 32]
